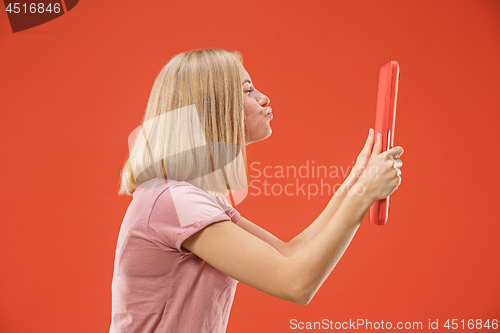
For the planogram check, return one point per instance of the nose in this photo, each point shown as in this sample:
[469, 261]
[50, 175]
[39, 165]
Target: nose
[265, 100]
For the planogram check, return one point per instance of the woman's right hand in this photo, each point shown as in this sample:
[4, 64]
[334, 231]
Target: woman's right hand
[382, 175]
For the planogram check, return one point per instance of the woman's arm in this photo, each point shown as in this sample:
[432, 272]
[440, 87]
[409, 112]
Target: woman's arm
[290, 247]
[250, 260]
[296, 278]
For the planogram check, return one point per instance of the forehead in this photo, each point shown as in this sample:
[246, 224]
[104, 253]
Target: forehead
[245, 77]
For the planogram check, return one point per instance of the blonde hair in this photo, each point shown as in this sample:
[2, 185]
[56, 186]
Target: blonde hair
[193, 127]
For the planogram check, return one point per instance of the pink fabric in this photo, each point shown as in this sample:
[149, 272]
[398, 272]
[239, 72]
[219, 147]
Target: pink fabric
[158, 286]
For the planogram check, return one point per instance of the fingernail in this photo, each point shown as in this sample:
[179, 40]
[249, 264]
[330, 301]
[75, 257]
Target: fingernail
[370, 131]
[379, 136]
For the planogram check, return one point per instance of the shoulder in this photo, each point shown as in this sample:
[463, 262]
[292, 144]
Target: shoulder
[183, 193]
[177, 191]
[181, 210]
[189, 204]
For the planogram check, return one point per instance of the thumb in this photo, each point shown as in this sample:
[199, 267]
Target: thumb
[377, 148]
[395, 152]
[369, 141]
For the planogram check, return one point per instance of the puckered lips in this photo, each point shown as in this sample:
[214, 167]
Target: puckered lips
[270, 112]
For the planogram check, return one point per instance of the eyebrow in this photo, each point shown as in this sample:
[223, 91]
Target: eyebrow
[247, 80]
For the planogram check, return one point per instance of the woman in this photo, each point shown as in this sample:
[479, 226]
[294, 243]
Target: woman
[182, 247]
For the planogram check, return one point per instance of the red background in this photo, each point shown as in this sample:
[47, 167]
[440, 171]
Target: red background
[72, 90]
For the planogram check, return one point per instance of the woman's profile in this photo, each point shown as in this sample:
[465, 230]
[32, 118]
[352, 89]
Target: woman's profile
[182, 246]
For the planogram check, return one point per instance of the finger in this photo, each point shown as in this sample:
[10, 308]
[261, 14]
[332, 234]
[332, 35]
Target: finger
[368, 144]
[369, 140]
[398, 164]
[395, 152]
[401, 153]
[377, 148]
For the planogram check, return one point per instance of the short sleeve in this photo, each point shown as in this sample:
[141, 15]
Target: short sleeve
[228, 208]
[182, 210]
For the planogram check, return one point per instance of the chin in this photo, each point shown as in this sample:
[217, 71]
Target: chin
[260, 137]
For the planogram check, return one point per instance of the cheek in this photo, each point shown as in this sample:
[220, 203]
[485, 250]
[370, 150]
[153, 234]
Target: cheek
[249, 123]
[250, 115]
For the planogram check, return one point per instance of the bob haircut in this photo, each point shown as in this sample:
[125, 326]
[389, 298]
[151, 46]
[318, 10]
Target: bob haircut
[193, 127]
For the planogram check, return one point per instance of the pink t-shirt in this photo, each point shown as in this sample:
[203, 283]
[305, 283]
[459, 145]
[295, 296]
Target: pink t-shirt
[158, 286]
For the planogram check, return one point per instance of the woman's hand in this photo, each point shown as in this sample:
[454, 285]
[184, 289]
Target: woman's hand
[381, 175]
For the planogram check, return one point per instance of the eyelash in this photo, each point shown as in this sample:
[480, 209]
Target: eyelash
[249, 91]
